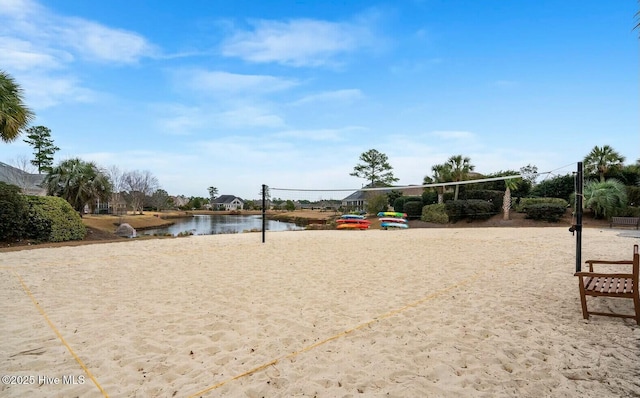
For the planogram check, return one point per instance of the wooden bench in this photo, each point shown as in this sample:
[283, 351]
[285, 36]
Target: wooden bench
[625, 221]
[617, 285]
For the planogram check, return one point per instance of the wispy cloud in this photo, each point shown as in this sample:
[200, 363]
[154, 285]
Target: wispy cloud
[298, 42]
[454, 135]
[103, 44]
[220, 82]
[342, 96]
[42, 50]
[337, 134]
[212, 119]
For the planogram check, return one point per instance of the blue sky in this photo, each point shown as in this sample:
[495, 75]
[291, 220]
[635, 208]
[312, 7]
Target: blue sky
[234, 94]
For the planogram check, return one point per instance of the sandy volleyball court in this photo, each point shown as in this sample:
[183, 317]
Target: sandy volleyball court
[416, 313]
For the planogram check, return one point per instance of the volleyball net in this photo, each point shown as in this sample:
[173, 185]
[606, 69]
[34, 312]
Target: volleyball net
[351, 199]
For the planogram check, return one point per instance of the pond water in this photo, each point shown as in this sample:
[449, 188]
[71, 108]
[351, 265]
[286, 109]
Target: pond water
[220, 224]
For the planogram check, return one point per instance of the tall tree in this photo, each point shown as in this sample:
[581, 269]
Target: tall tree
[140, 184]
[160, 199]
[213, 193]
[510, 185]
[375, 168]
[602, 159]
[39, 137]
[116, 176]
[14, 114]
[78, 182]
[460, 167]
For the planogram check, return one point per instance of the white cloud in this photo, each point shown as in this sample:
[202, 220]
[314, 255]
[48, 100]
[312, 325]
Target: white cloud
[342, 96]
[43, 91]
[101, 43]
[454, 135]
[299, 42]
[249, 116]
[178, 119]
[214, 82]
[18, 8]
[49, 34]
[337, 134]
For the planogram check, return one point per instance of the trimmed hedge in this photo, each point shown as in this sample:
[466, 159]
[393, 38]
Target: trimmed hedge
[430, 197]
[13, 213]
[435, 213]
[413, 208]
[399, 203]
[494, 197]
[52, 219]
[473, 209]
[551, 212]
[526, 202]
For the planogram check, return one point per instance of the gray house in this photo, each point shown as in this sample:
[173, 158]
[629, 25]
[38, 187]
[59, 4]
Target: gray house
[30, 184]
[227, 202]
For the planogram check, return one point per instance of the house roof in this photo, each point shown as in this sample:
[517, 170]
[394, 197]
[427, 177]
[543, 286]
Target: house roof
[29, 183]
[222, 199]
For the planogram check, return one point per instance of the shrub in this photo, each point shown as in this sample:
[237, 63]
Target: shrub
[454, 209]
[377, 203]
[430, 197]
[633, 211]
[435, 213]
[633, 195]
[474, 209]
[413, 208]
[52, 219]
[526, 202]
[491, 196]
[557, 187]
[546, 211]
[606, 199]
[400, 203]
[477, 209]
[13, 212]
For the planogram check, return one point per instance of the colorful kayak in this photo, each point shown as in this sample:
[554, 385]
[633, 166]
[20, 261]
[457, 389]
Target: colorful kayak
[352, 221]
[392, 214]
[352, 216]
[393, 225]
[392, 219]
[353, 226]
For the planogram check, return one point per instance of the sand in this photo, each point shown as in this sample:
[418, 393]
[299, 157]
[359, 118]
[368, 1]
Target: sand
[482, 312]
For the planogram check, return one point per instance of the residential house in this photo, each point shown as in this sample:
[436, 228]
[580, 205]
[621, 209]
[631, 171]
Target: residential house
[358, 199]
[30, 184]
[227, 202]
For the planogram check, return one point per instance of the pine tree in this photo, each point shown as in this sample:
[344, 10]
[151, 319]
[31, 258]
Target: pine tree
[40, 138]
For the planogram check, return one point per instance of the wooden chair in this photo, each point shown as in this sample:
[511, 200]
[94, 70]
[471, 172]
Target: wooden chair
[611, 285]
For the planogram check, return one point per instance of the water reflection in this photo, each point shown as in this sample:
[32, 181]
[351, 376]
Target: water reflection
[220, 224]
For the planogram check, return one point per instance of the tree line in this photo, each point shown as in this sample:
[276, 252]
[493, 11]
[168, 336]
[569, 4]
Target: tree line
[611, 187]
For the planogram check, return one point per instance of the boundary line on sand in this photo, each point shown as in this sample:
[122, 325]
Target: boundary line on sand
[386, 315]
[57, 332]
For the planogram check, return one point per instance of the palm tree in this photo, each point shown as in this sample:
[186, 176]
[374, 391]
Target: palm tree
[605, 198]
[14, 115]
[460, 168]
[602, 159]
[441, 173]
[510, 184]
[78, 182]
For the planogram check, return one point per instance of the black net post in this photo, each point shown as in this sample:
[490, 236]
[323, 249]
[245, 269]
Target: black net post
[264, 211]
[578, 226]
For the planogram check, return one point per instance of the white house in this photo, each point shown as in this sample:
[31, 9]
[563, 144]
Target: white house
[227, 202]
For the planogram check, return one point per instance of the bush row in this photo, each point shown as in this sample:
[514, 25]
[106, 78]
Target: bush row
[523, 205]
